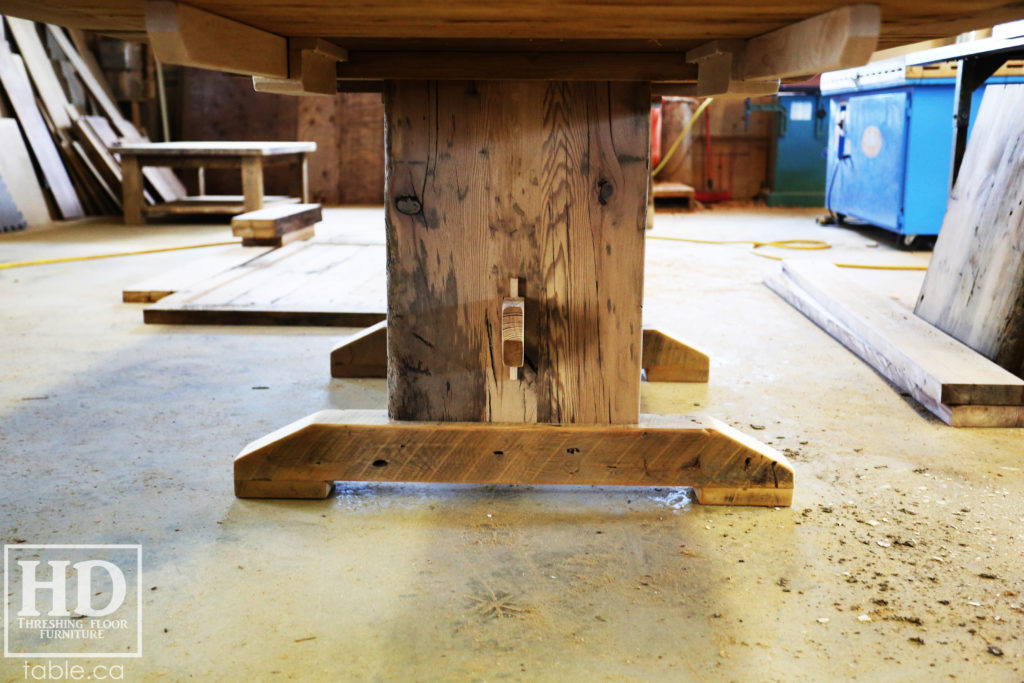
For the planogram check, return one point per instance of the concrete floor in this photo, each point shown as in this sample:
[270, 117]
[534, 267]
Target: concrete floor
[112, 431]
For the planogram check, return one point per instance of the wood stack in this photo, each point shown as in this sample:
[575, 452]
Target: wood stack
[276, 225]
[66, 118]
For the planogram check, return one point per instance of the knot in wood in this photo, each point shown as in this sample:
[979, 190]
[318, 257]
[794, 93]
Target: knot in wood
[409, 205]
[605, 190]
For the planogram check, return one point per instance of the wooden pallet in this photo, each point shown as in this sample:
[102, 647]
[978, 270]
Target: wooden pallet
[304, 283]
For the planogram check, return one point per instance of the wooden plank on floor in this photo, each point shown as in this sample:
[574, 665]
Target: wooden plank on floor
[19, 91]
[941, 366]
[182, 278]
[892, 364]
[305, 283]
[974, 287]
[673, 190]
[18, 175]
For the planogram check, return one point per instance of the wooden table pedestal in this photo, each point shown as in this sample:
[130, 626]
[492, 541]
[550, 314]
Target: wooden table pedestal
[515, 245]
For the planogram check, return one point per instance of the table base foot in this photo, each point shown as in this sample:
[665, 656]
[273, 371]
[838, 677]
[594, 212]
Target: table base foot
[303, 459]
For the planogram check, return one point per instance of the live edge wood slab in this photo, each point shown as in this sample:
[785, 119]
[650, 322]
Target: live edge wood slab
[304, 459]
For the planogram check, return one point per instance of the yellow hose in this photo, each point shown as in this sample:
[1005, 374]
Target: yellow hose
[68, 259]
[686, 129]
[810, 245]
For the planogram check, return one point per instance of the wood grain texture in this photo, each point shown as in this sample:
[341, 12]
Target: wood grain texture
[304, 283]
[17, 175]
[512, 322]
[311, 69]
[349, 132]
[213, 204]
[187, 36]
[163, 181]
[950, 372]
[974, 287]
[15, 83]
[51, 93]
[217, 107]
[654, 25]
[107, 167]
[661, 450]
[219, 148]
[669, 359]
[841, 38]
[892, 363]
[489, 65]
[275, 221]
[280, 240]
[364, 354]
[158, 286]
[544, 182]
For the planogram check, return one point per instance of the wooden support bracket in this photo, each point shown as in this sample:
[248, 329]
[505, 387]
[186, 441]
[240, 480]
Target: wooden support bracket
[668, 359]
[839, 39]
[663, 357]
[721, 71]
[312, 69]
[364, 354]
[186, 36]
[303, 459]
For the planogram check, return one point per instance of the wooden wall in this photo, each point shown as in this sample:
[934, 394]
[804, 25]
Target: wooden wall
[739, 157]
[348, 167]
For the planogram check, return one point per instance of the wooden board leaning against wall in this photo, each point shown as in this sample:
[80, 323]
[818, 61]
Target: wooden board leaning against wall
[974, 288]
[348, 167]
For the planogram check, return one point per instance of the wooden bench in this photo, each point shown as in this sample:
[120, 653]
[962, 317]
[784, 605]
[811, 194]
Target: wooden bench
[249, 157]
[276, 225]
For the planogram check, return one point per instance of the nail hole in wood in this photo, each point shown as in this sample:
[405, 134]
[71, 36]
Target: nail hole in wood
[380, 463]
[499, 452]
[572, 450]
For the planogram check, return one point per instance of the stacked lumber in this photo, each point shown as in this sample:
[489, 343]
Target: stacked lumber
[276, 225]
[974, 288]
[957, 384]
[64, 116]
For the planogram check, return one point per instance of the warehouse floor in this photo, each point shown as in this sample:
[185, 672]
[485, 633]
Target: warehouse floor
[902, 557]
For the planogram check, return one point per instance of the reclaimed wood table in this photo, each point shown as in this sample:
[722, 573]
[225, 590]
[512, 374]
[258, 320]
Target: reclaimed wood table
[518, 162]
[249, 157]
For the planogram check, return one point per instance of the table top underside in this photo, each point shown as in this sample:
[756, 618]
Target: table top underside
[529, 25]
